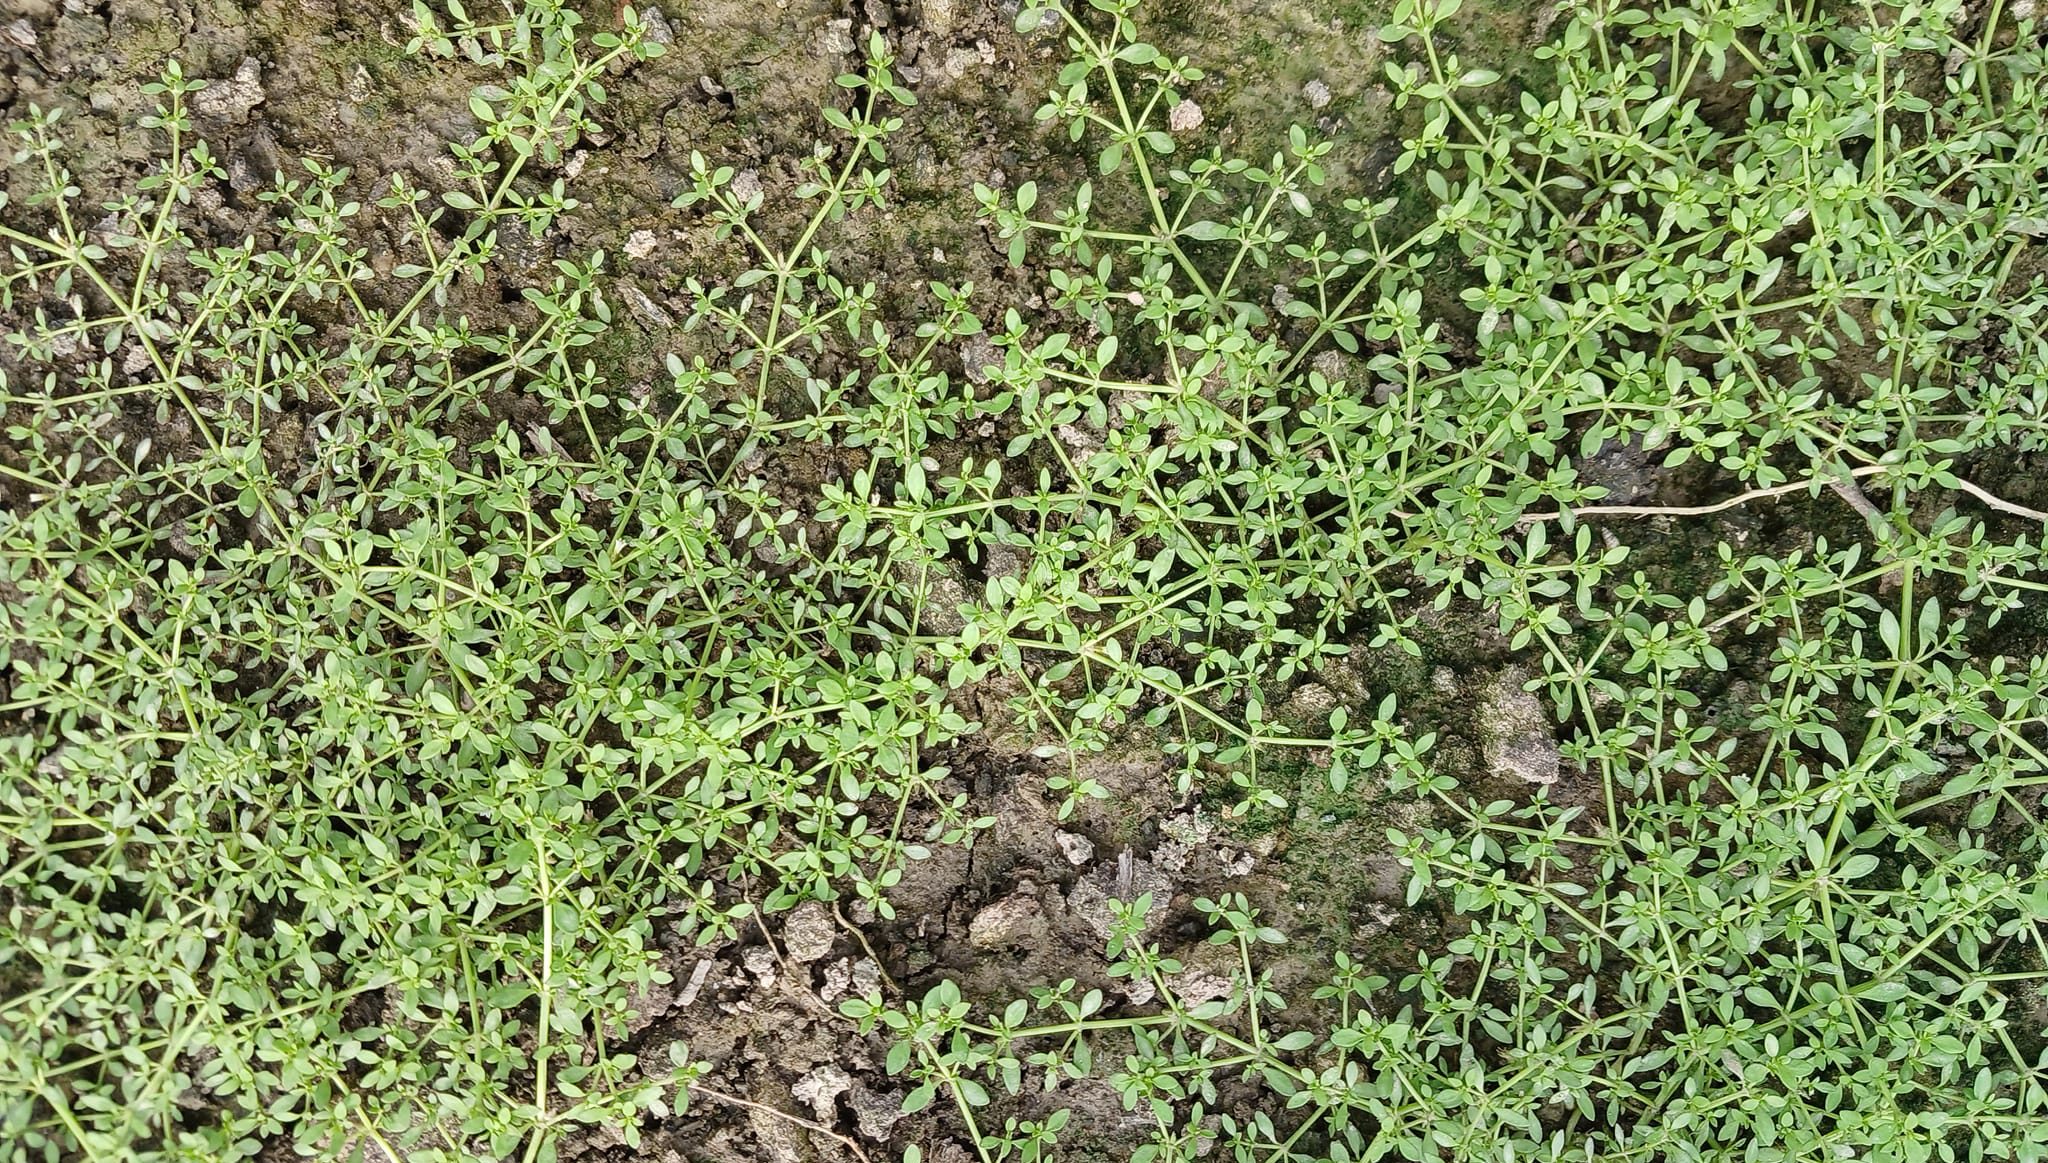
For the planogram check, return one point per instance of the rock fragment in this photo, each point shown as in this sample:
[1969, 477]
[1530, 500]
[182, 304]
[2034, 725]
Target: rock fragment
[1516, 733]
[1078, 849]
[809, 932]
[820, 1090]
[1127, 880]
[697, 976]
[1015, 920]
[658, 29]
[233, 98]
[836, 38]
[875, 1115]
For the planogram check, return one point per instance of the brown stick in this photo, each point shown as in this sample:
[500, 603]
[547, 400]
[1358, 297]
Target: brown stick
[2001, 503]
[1698, 510]
[1853, 496]
[797, 1120]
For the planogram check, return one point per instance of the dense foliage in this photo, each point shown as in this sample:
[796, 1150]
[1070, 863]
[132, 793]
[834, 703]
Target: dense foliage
[375, 682]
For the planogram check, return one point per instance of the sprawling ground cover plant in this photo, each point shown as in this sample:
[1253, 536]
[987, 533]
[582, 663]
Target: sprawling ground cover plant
[376, 682]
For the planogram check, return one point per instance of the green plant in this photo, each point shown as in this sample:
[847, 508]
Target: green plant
[381, 681]
[1797, 927]
[364, 726]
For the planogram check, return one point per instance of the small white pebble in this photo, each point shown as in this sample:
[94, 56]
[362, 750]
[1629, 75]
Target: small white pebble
[696, 984]
[1076, 848]
[746, 186]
